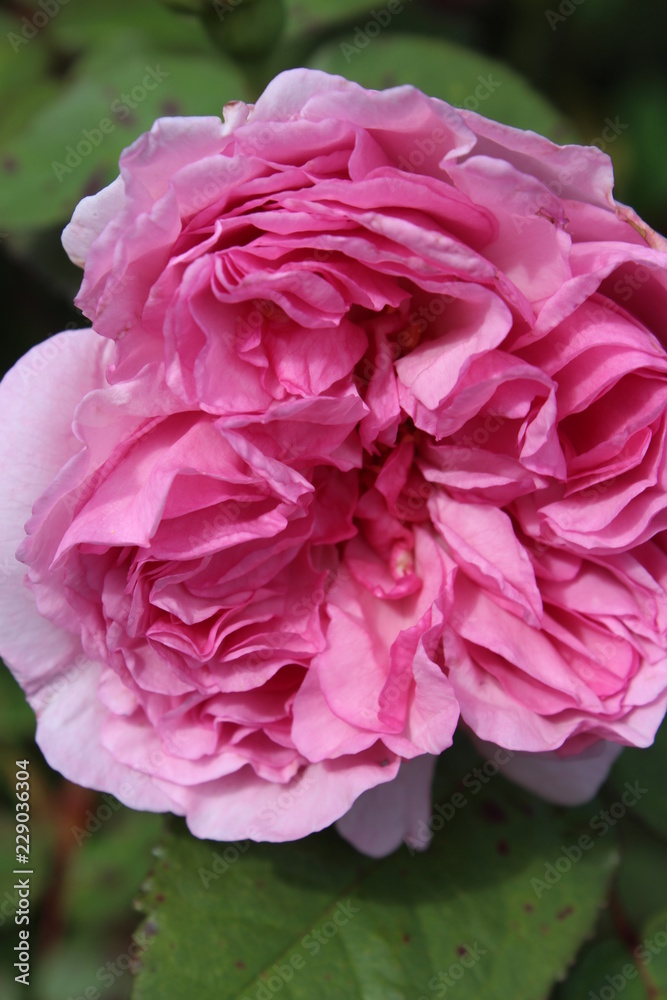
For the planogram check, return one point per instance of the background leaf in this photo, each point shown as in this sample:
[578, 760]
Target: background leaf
[25, 84]
[604, 59]
[641, 883]
[649, 766]
[450, 72]
[98, 22]
[64, 153]
[17, 719]
[601, 968]
[226, 919]
[310, 17]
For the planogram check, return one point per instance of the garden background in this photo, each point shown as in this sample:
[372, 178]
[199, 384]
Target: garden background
[576, 70]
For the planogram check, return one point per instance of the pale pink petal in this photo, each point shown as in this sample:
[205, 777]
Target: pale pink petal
[388, 815]
[37, 402]
[564, 780]
[242, 805]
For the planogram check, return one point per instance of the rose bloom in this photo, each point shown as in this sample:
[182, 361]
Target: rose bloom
[367, 441]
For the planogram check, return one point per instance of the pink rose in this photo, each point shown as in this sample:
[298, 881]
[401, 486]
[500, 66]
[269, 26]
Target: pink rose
[368, 437]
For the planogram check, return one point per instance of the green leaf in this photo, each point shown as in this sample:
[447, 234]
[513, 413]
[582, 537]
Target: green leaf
[96, 23]
[637, 968]
[315, 16]
[451, 72]
[24, 81]
[107, 862]
[652, 954]
[601, 968]
[314, 918]
[17, 719]
[641, 883]
[83, 968]
[64, 152]
[647, 768]
[248, 29]
[643, 147]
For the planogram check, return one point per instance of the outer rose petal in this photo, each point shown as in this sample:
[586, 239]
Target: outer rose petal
[382, 818]
[91, 217]
[579, 172]
[403, 109]
[566, 781]
[242, 805]
[37, 401]
[68, 733]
